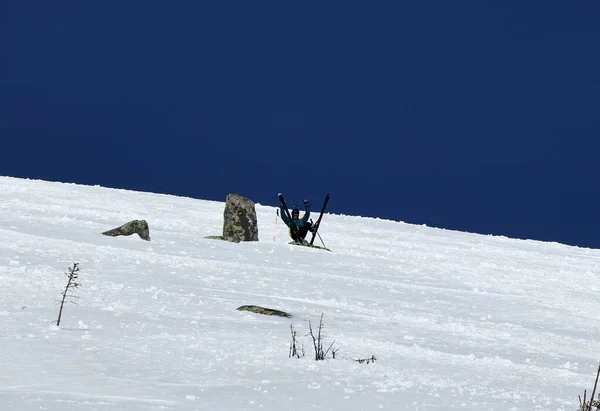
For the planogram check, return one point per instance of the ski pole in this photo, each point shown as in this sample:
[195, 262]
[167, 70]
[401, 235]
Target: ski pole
[321, 240]
[311, 221]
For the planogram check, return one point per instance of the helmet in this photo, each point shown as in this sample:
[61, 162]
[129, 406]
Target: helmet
[295, 212]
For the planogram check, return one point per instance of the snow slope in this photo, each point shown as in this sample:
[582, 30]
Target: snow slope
[455, 320]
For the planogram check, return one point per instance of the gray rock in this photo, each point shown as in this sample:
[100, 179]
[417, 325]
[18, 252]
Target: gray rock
[262, 310]
[139, 227]
[239, 220]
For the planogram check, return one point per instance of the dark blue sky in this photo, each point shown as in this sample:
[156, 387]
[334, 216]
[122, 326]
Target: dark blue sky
[471, 115]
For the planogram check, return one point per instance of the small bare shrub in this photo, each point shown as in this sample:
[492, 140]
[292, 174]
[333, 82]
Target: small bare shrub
[320, 353]
[366, 360]
[591, 404]
[72, 284]
[293, 350]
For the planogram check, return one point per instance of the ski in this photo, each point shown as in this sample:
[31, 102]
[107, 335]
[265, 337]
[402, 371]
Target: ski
[316, 226]
[293, 227]
[306, 244]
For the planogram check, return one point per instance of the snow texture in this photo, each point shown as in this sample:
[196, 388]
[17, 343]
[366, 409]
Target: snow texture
[455, 320]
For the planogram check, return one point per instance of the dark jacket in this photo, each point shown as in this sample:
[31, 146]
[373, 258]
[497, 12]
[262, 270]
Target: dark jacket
[299, 223]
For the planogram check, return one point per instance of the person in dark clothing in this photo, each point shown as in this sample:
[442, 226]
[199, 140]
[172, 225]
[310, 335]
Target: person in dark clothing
[302, 224]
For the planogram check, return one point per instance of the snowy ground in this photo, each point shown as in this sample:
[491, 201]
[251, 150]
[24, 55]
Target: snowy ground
[455, 320]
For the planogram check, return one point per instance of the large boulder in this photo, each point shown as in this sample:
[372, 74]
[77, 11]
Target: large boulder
[139, 227]
[239, 220]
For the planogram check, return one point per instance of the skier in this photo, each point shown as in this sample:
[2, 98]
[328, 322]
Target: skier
[302, 224]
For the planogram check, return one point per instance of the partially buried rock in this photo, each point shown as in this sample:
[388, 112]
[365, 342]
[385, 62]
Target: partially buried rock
[262, 310]
[239, 220]
[139, 227]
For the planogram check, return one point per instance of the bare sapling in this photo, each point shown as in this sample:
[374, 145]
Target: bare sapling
[591, 404]
[320, 353]
[72, 284]
[293, 349]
